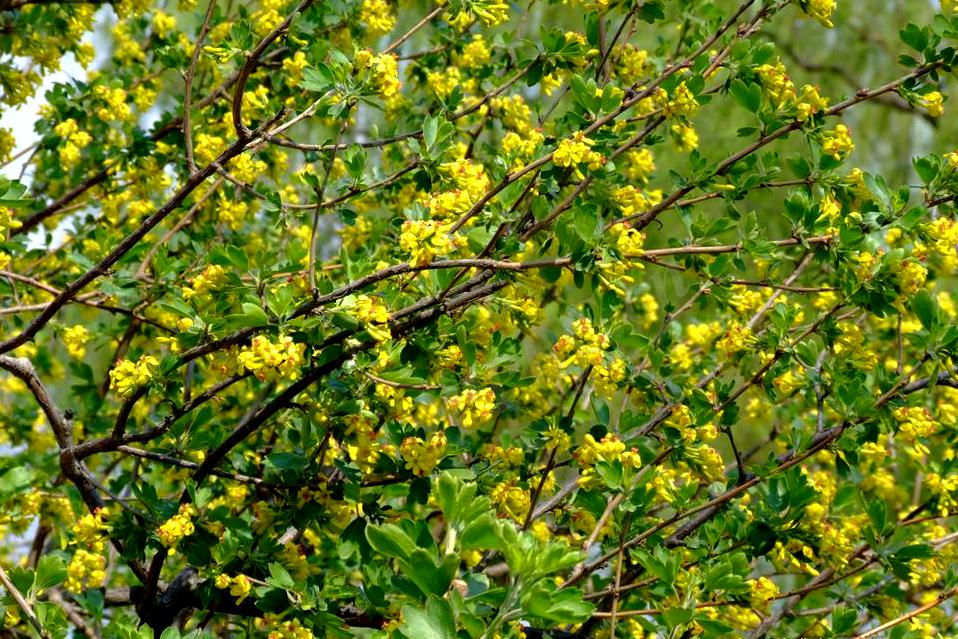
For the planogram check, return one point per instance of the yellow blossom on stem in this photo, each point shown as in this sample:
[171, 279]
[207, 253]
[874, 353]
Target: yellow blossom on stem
[264, 356]
[577, 150]
[75, 339]
[422, 456]
[377, 16]
[127, 376]
[820, 10]
[177, 527]
[838, 142]
[933, 102]
[474, 406]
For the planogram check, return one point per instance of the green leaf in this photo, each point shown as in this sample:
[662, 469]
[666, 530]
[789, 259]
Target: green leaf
[925, 308]
[421, 569]
[545, 601]
[14, 480]
[51, 570]
[279, 577]
[390, 540]
[747, 95]
[435, 622]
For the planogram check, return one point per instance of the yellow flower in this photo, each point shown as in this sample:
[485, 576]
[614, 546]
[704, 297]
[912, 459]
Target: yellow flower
[74, 338]
[377, 16]
[423, 456]
[213, 277]
[177, 527]
[127, 376]
[933, 102]
[263, 356]
[577, 150]
[778, 86]
[374, 314]
[163, 23]
[838, 142]
[639, 165]
[240, 587]
[628, 240]
[475, 406]
[87, 569]
[737, 338]
[686, 137]
[810, 103]
[475, 53]
[820, 10]
[383, 72]
[682, 102]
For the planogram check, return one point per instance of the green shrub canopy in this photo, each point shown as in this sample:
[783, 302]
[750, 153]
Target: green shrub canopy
[478, 320]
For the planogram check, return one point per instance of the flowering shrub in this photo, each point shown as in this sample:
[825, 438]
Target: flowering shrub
[478, 320]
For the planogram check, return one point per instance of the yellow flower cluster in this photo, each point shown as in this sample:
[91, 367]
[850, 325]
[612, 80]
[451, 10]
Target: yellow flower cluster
[682, 102]
[914, 422]
[686, 137]
[288, 629]
[363, 448]
[943, 232]
[838, 142]
[933, 102]
[211, 278]
[374, 314]
[177, 527]
[631, 63]
[294, 66]
[7, 221]
[820, 10]
[74, 140]
[911, 277]
[514, 113]
[422, 456]
[737, 338]
[587, 353]
[377, 16]
[470, 184]
[239, 585]
[944, 488]
[231, 212]
[474, 406]
[115, 108]
[521, 146]
[511, 500]
[75, 339]
[639, 165]
[263, 357]
[127, 376]
[443, 82]
[631, 200]
[474, 53]
[609, 449]
[949, 6]
[577, 150]
[163, 23]
[777, 83]
[87, 567]
[490, 13]
[606, 379]
[268, 16]
[7, 144]
[810, 103]
[383, 72]
[628, 241]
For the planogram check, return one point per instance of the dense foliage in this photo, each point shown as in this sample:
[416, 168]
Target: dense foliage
[612, 318]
